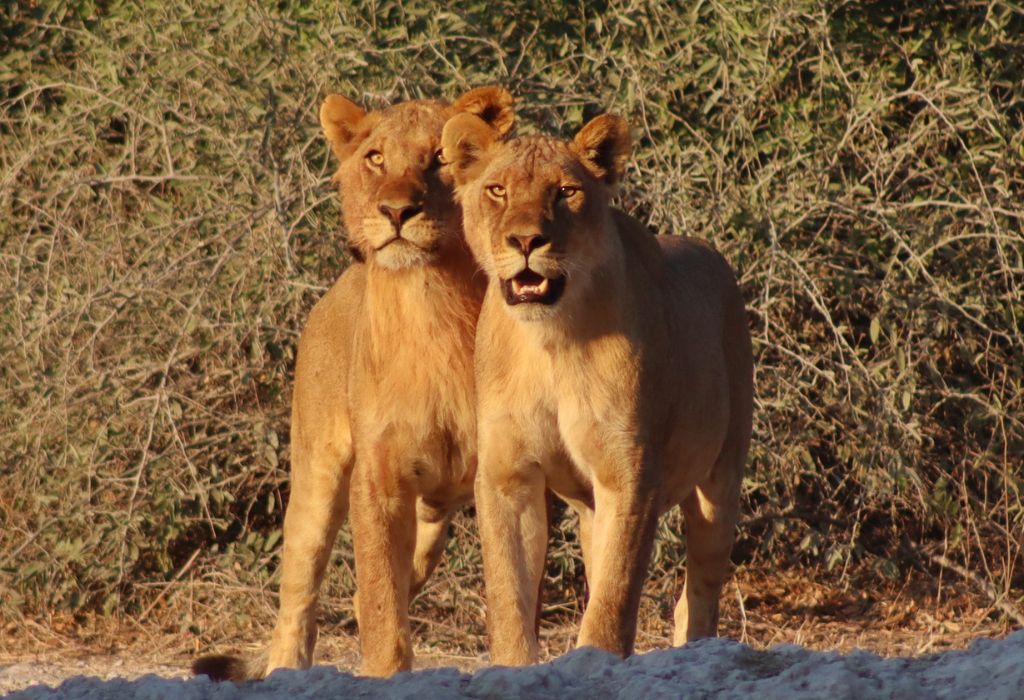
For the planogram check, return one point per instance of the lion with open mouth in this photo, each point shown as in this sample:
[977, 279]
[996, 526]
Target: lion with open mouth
[613, 367]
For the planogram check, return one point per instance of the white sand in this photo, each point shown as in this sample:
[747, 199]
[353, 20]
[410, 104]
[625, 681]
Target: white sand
[713, 668]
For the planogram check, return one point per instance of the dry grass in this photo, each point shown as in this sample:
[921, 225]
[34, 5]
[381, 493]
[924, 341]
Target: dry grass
[165, 225]
[761, 608]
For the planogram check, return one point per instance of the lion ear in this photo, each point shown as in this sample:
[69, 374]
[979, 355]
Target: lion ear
[493, 104]
[344, 123]
[604, 145]
[464, 140]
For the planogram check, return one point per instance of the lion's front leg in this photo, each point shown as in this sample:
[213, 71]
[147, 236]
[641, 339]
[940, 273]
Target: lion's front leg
[316, 508]
[624, 523]
[383, 518]
[512, 512]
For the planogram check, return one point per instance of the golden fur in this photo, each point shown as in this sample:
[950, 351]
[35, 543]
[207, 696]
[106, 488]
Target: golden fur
[383, 414]
[613, 367]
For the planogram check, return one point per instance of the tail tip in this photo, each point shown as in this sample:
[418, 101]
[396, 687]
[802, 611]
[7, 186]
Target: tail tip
[221, 668]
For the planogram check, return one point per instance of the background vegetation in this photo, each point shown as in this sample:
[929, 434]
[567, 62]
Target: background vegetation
[166, 224]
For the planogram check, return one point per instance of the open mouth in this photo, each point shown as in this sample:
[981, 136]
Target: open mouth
[530, 288]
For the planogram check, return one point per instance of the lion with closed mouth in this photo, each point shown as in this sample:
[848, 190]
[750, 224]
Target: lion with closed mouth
[383, 413]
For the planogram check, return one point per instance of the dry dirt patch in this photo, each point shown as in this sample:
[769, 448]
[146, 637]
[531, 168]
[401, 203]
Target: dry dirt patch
[762, 610]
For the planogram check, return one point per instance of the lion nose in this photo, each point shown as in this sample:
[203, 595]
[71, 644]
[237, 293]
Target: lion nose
[400, 214]
[527, 242]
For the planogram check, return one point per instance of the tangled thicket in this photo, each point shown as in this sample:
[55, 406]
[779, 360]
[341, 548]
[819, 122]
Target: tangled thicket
[166, 223]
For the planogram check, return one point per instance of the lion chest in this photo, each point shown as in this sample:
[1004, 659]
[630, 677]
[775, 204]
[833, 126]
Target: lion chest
[414, 419]
[597, 406]
[428, 447]
[627, 419]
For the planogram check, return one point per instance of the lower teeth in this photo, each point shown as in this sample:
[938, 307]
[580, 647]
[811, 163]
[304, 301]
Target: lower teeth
[520, 289]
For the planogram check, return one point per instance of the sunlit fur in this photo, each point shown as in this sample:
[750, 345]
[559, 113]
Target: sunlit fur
[630, 394]
[410, 172]
[383, 414]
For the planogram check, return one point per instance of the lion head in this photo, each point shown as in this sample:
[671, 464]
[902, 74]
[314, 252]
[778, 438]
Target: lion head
[396, 198]
[536, 208]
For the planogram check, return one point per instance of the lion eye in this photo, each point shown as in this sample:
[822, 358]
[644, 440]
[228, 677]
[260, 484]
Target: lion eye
[567, 191]
[437, 160]
[375, 158]
[496, 191]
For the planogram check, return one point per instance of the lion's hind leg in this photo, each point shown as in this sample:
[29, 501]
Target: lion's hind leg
[711, 512]
[431, 534]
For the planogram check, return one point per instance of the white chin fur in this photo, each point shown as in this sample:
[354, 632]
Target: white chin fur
[531, 312]
[401, 256]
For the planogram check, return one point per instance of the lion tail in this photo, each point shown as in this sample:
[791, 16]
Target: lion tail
[230, 668]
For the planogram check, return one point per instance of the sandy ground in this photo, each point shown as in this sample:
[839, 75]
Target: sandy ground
[53, 672]
[714, 668]
[51, 668]
[785, 629]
